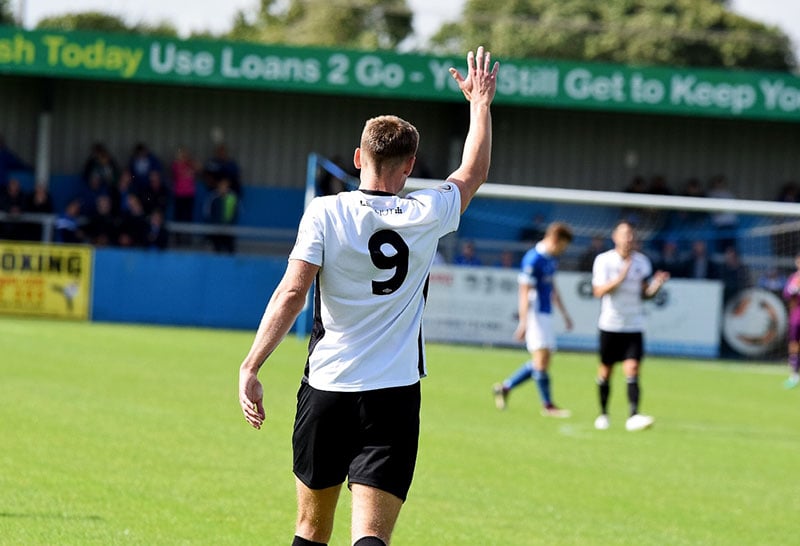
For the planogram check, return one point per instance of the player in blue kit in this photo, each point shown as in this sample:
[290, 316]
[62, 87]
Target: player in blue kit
[537, 296]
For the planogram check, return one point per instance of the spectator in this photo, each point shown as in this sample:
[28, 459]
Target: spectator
[733, 274]
[12, 198]
[103, 227]
[533, 232]
[134, 225]
[38, 202]
[101, 164]
[789, 193]
[220, 166]
[507, 259]
[468, 255]
[659, 186]
[9, 161]
[67, 227]
[222, 209]
[119, 197]
[155, 195]
[636, 185]
[12, 202]
[157, 235]
[142, 162]
[699, 265]
[184, 171]
[95, 187]
[596, 246]
[724, 222]
[670, 259]
[636, 215]
[691, 188]
[772, 280]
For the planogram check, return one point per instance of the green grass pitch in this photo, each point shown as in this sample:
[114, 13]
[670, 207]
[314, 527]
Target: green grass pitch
[121, 434]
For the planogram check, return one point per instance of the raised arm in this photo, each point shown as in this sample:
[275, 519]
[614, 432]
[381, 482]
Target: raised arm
[479, 88]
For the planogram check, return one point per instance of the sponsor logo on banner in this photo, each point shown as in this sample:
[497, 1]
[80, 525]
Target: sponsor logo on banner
[45, 280]
[755, 322]
[479, 305]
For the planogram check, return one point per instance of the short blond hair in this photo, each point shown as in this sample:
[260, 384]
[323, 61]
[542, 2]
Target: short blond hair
[389, 141]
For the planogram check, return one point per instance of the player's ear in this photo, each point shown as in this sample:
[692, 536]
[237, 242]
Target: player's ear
[409, 166]
[357, 158]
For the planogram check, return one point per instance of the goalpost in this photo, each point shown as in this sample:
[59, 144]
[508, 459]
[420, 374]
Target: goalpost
[726, 303]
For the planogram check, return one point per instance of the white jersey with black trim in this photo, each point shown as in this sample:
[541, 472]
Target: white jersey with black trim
[623, 309]
[375, 252]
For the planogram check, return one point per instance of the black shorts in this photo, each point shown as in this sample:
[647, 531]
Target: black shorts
[369, 437]
[619, 346]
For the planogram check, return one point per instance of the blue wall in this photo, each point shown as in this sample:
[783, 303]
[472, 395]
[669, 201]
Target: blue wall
[191, 289]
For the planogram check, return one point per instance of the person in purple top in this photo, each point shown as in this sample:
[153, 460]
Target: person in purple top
[791, 293]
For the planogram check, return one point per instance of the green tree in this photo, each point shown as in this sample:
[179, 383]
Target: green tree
[103, 22]
[6, 14]
[372, 24]
[661, 32]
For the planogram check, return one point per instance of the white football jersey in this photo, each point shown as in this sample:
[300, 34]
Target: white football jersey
[623, 309]
[375, 251]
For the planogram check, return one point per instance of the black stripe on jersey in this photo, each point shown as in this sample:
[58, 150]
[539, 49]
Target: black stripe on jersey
[318, 329]
[420, 344]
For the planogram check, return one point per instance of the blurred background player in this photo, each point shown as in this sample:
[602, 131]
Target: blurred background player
[791, 293]
[537, 294]
[620, 278]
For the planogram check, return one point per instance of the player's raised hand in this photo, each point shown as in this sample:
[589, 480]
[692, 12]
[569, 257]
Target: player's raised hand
[480, 83]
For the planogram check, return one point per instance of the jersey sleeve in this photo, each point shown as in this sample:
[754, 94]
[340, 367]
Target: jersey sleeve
[599, 271]
[648, 266]
[527, 275]
[310, 235]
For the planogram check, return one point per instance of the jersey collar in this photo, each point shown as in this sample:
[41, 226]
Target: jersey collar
[542, 249]
[378, 193]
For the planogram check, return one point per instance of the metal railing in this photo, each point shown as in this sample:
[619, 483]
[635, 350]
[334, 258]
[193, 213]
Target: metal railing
[268, 240]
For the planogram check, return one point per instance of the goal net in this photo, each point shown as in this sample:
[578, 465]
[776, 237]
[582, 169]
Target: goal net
[728, 259]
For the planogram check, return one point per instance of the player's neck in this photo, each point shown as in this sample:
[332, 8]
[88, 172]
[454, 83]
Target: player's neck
[386, 184]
